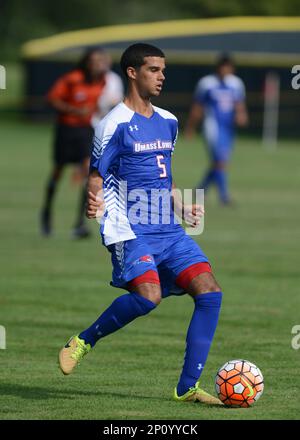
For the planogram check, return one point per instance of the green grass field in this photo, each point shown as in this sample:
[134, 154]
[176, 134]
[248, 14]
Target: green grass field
[51, 288]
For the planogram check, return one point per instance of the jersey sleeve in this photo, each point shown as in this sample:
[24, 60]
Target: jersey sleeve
[201, 92]
[106, 146]
[240, 91]
[175, 134]
[173, 124]
[113, 93]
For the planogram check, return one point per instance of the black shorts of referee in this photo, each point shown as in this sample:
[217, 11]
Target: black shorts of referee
[72, 144]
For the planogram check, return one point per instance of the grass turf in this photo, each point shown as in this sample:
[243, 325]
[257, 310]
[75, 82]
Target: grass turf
[52, 288]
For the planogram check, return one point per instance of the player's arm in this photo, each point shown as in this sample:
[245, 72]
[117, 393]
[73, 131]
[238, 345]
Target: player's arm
[95, 202]
[112, 94]
[191, 214]
[63, 107]
[194, 117]
[241, 114]
[57, 97]
[105, 152]
[196, 112]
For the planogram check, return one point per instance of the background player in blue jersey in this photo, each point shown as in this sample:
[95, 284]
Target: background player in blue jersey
[152, 258]
[219, 100]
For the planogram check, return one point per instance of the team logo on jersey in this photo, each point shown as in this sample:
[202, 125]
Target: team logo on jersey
[146, 259]
[133, 127]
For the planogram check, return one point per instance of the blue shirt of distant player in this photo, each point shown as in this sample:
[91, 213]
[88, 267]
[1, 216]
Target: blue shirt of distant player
[218, 98]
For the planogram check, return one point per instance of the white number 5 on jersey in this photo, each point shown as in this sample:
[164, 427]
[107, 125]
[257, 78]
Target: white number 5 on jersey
[161, 165]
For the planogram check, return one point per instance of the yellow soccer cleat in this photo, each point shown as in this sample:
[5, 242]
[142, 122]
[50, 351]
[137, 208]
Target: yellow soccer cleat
[72, 353]
[196, 394]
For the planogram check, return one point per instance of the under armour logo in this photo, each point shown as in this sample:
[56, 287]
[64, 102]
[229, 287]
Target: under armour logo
[98, 333]
[200, 366]
[133, 127]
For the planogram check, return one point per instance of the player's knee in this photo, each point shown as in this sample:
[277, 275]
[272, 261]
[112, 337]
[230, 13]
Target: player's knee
[156, 298]
[152, 292]
[147, 285]
[212, 287]
[210, 284]
[205, 283]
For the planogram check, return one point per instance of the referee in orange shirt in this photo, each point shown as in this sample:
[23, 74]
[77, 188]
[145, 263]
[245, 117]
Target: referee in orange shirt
[74, 96]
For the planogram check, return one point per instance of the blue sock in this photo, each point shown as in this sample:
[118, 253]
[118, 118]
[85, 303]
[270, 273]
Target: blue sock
[221, 182]
[208, 179]
[199, 338]
[123, 310]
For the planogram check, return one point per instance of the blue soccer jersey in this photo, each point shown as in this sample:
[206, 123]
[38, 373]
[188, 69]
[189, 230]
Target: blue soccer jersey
[132, 153]
[218, 98]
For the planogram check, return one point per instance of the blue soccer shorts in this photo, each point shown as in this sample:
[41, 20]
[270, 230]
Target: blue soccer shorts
[169, 255]
[220, 147]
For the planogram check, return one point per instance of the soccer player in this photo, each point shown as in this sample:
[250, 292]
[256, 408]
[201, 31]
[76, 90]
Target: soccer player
[151, 259]
[220, 101]
[112, 94]
[75, 97]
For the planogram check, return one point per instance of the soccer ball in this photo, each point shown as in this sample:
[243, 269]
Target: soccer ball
[239, 383]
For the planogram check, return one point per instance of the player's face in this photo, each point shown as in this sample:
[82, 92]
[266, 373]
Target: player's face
[98, 64]
[225, 69]
[149, 77]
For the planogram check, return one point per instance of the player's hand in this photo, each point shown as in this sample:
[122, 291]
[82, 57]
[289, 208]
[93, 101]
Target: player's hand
[95, 205]
[193, 214]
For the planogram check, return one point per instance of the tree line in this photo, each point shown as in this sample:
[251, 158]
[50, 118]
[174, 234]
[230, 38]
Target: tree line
[21, 20]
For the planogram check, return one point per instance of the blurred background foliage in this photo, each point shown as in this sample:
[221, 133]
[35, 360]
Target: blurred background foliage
[21, 21]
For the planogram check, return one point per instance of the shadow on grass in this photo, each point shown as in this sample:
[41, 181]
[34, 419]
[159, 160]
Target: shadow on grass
[44, 393]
